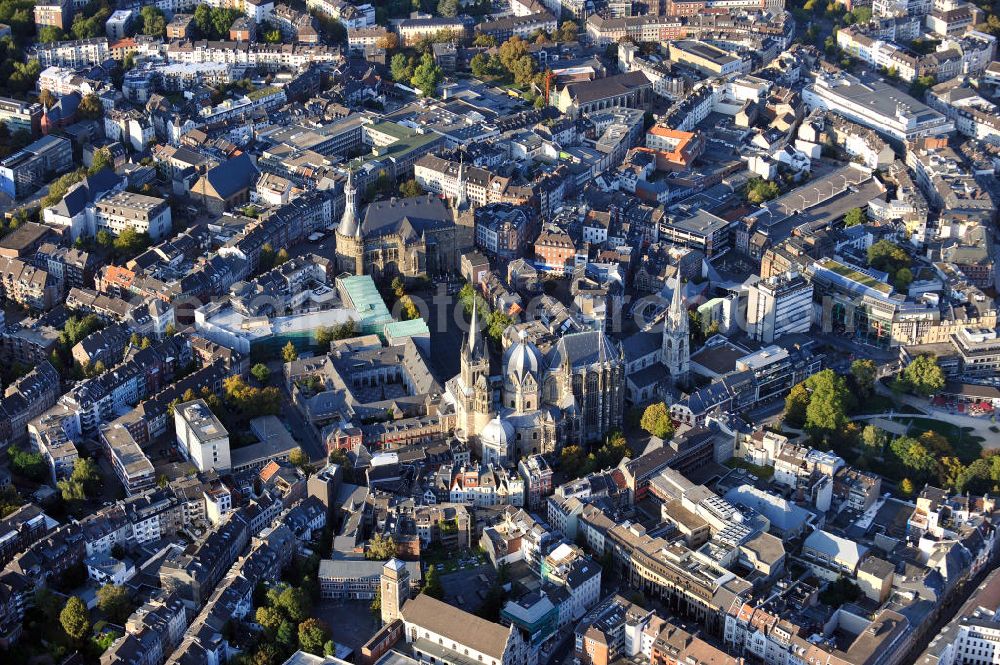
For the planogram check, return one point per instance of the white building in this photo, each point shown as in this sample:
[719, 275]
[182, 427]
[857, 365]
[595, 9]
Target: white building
[445, 635]
[779, 305]
[125, 210]
[876, 105]
[201, 437]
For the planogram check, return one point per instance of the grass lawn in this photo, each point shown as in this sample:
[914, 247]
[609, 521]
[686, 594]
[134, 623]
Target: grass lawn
[968, 446]
[876, 404]
[764, 472]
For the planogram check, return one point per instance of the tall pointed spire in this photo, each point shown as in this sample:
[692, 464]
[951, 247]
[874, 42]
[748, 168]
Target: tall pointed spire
[348, 223]
[473, 326]
[460, 199]
[676, 304]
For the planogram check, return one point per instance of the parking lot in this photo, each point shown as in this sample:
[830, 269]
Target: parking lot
[351, 621]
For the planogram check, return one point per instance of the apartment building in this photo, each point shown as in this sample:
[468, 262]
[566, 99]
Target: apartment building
[26, 170]
[201, 436]
[126, 210]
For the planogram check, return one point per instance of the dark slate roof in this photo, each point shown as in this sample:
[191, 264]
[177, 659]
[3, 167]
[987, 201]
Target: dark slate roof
[621, 84]
[232, 176]
[582, 349]
[88, 191]
[641, 344]
[65, 107]
[409, 216]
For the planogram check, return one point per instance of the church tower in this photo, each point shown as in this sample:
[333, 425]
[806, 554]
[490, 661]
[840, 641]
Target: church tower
[676, 348]
[475, 378]
[350, 245]
[394, 584]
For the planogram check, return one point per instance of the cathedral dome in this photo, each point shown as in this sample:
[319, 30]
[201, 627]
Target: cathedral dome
[497, 434]
[521, 359]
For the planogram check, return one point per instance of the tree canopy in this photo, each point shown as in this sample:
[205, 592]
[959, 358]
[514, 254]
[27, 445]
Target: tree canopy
[75, 619]
[923, 376]
[656, 420]
[854, 217]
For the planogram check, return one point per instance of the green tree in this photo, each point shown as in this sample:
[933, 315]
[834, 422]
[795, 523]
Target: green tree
[854, 217]
[261, 372]
[115, 602]
[313, 634]
[567, 32]
[906, 487]
[381, 548]
[874, 438]
[294, 603]
[952, 473]
[828, 400]
[85, 472]
[288, 353]
[410, 188]
[511, 51]
[480, 65]
[401, 68]
[976, 478]
[154, 23]
[448, 8]
[101, 160]
[75, 620]
[484, 41]
[31, 465]
[862, 14]
[46, 98]
[269, 618]
[271, 36]
[285, 635]
[924, 376]
[49, 33]
[265, 260]
[432, 584]
[131, 242]
[903, 279]
[426, 76]
[863, 373]
[299, 458]
[24, 75]
[921, 84]
[281, 257]
[912, 455]
[759, 190]
[613, 451]
[496, 323]
[409, 308]
[656, 420]
[796, 404]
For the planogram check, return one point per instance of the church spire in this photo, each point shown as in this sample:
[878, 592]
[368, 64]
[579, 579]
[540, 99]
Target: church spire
[460, 199]
[676, 345]
[348, 223]
[676, 303]
[474, 326]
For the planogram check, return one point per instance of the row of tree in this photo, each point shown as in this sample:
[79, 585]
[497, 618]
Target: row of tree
[424, 75]
[284, 616]
[576, 462]
[821, 404]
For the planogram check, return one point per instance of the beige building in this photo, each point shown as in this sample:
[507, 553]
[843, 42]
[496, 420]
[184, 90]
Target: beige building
[875, 577]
